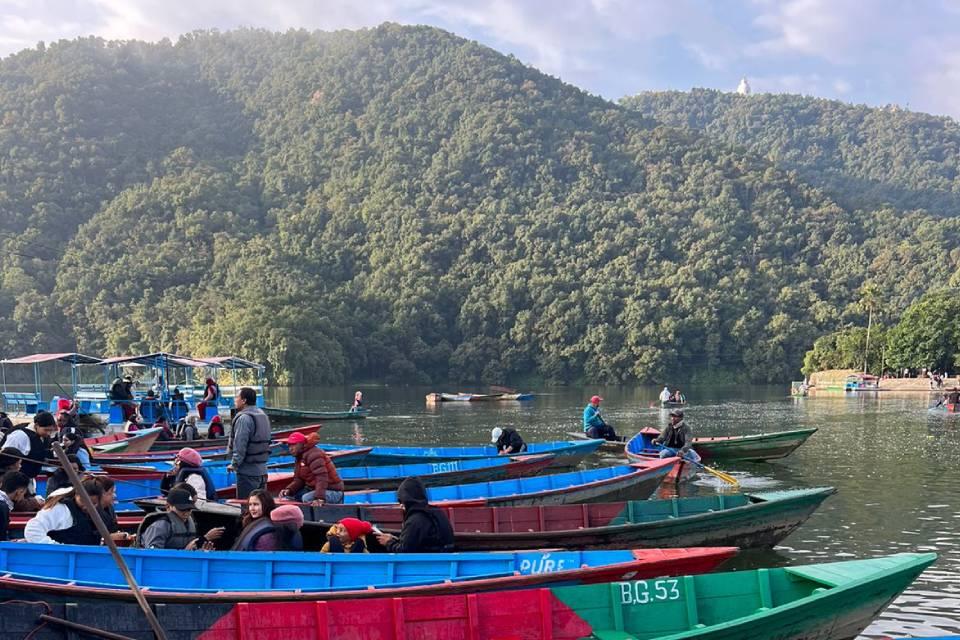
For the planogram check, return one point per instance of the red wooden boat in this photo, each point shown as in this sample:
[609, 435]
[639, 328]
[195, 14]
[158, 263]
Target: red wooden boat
[136, 442]
[173, 445]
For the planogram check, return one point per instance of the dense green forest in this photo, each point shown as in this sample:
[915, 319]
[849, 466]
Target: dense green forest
[402, 204]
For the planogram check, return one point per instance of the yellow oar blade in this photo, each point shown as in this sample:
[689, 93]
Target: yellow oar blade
[726, 477]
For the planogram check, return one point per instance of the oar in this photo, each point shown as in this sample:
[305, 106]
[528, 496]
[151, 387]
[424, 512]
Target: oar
[726, 477]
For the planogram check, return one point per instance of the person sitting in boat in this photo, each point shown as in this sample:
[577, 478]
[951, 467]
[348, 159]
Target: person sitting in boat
[64, 520]
[187, 429]
[953, 397]
[66, 422]
[593, 423]
[347, 536]
[59, 478]
[285, 534]
[255, 522]
[6, 424]
[211, 398]
[665, 395]
[425, 529]
[121, 393]
[215, 430]
[33, 442]
[188, 468]
[507, 441]
[108, 511]
[357, 401]
[678, 397]
[166, 433]
[175, 528]
[13, 488]
[677, 439]
[73, 445]
[133, 424]
[315, 478]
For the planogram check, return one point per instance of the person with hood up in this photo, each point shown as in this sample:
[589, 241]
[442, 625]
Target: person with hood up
[188, 467]
[315, 478]
[215, 430]
[425, 529]
[347, 536]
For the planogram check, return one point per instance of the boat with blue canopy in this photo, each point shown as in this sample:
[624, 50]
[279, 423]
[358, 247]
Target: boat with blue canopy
[568, 453]
[26, 403]
[172, 575]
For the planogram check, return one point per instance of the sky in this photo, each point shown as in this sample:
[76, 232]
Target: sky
[876, 52]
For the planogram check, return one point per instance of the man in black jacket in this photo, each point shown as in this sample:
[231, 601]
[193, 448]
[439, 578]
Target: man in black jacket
[507, 441]
[426, 529]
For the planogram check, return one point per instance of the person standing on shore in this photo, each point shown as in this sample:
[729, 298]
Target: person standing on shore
[251, 444]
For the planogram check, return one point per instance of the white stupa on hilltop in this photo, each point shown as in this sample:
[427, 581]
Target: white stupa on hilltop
[744, 87]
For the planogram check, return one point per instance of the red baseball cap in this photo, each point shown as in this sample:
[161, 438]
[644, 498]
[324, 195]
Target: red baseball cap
[296, 438]
[595, 399]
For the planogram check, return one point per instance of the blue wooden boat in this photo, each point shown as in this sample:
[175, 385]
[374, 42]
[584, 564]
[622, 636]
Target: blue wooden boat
[132, 487]
[625, 482]
[568, 453]
[177, 576]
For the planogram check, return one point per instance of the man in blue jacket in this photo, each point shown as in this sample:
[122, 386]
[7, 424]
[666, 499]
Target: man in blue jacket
[594, 425]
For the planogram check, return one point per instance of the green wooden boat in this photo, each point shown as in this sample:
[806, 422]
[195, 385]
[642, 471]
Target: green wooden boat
[302, 414]
[757, 447]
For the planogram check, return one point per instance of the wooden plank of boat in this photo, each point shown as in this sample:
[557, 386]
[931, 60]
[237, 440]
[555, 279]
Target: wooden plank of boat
[567, 454]
[740, 520]
[633, 481]
[605, 445]
[756, 447]
[304, 414]
[832, 601]
[184, 576]
[171, 445]
[136, 442]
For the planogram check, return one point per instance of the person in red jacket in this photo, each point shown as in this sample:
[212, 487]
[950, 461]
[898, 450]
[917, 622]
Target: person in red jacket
[315, 479]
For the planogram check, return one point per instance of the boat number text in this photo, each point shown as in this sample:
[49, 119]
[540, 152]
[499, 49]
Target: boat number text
[642, 592]
[442, 467]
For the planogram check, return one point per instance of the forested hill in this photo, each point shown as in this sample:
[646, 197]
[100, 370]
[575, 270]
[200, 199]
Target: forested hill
[861, 156]
[402, 204]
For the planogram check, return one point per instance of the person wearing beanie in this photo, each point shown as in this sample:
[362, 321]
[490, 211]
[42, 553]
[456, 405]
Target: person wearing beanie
[315, 478]
[347, 536]
[33, 442]
[188, 468]
[425, 529]
[507, 441]
[64, 520]
[593, 423]
[175, 528]
[282, 534]
[215, 430]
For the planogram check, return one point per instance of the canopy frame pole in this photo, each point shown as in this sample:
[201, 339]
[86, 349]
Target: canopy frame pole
[94, 514]
[36, 383]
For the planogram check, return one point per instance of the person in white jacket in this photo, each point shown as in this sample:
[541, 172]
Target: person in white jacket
[665, 395]
[63, 520]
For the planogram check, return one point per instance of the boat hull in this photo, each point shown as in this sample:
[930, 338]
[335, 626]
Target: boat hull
[137, 442]
[673, 608]
[282, 413]
[175, 445]
[761, 447]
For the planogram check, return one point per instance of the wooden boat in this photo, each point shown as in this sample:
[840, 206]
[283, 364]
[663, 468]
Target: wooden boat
[739, 520]
[830, 601]
[207, 453]
[445, 473]
[605, 445]
[516, 397]
[861, 383]
[567, 454]
[174, 445]
[763, 446]
[136, 442]
[303, 414]
[633, 481]
[341, 458]
[249, 576]
[470, 397]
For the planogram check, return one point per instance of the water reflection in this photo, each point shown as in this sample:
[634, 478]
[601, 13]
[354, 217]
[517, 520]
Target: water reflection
[894, 463]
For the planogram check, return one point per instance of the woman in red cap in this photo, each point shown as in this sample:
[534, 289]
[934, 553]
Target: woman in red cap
[315, 479]
[347, 536]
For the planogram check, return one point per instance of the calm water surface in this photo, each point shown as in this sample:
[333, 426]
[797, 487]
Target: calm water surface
[896, 466]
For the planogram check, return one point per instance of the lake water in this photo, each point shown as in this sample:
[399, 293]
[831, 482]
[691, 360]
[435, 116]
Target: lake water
[895, 465]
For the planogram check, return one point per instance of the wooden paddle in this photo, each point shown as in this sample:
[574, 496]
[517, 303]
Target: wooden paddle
[726, 477]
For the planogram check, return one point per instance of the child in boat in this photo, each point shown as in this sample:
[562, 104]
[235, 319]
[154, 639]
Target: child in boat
[347, 536]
